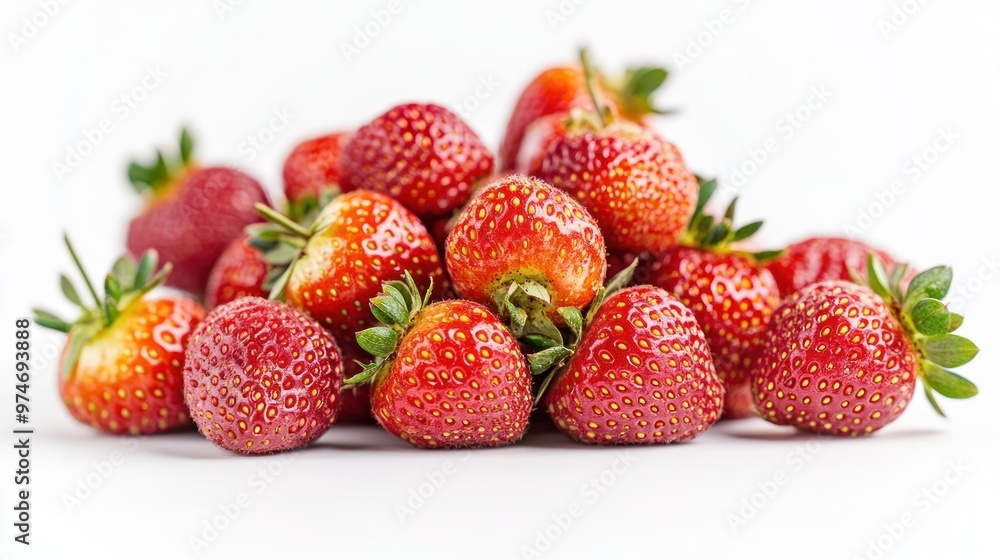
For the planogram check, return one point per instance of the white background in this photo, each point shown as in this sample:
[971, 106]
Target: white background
[890, 93]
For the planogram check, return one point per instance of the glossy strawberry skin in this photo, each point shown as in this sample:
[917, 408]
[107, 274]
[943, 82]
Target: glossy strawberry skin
[732, 299]
[129, 378]
[422, 155]
[193, 221]
[313, 166]
[822, 258]
[458, 380]
[634, 184]
[239, 272]
[834, 360]
[642, 374]
[519, 228]
[370, 239]
[555, 90]
[261, 377]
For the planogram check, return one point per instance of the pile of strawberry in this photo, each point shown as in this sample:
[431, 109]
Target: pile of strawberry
[412, 279]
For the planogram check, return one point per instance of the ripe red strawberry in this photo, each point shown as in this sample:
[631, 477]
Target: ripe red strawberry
[192, 213]
[445, 375]
[121, 368]
[359, 241]
[641, 373]
[261, 377]
[312, 172]
[729, 292]
[422, 155]
[526, 250]
[239, 272]
[843, 359]
[562, 88]
[822, 258]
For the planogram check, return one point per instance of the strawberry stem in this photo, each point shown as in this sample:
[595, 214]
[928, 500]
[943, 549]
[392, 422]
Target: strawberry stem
[588, 77]
[83, 272]
[280, 219]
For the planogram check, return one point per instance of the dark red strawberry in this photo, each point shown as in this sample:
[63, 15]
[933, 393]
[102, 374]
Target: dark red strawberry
[192, 213]
[729, 292]
[445, 375]
[526, 250]
[563, 88]
[422, 155]
[312, 172]
[262, 377]
[121, 368]
[822, 258]
[843, 359]
[239, 272]
[359, 241]
[641, 373]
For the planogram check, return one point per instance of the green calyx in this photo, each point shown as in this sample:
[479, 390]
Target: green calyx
[552, 355]
[633, 91]
[127, 282]
[396, 308]
[719, 234]
[928, 324]
[162, 172]
[281, 239]
[305, 209]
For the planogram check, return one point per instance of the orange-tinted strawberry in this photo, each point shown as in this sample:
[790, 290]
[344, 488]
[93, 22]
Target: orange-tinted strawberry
[121, 369]
[239, 272]
[563, 88]
[729, 292]
[193, 213]
[446, 375]
[313, 166]
[261, 377]
[526, 250]
[822, 258]
[422, 155]
[359, 241]
[641, 373]
[843, 359]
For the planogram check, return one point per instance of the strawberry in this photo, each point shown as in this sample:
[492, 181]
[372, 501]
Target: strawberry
[634, 183]
[192, 213]
[239, 272]
[563, 88]
[641, 372]
[526, 250]
[359, 241]
[423, 155]
[261, 377]
[843, 359]
[121, 369]
[445, 375]
[821, 258]
[729, 292]
[312, 172]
